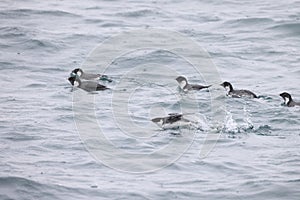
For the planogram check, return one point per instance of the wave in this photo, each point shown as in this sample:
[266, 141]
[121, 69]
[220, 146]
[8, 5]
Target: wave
[6, 65]
[24, 188]
[140, 13]
[13, 31]
[251, 21]
[27, 38]
[293, 29]
[12, 187]
[287, 26]
[17, 13]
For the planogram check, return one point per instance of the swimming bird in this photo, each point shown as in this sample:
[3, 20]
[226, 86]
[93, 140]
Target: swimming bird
[88, 86]
[237, 93]
[88, 76]
[288, 100]
[185, 86]
[173, 120]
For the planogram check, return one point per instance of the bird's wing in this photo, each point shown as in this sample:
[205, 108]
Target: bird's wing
[199, 87]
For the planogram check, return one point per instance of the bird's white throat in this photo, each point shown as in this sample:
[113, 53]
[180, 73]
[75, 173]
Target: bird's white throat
[227, 88]
[182, 84]
[76, 83]
[286, 100]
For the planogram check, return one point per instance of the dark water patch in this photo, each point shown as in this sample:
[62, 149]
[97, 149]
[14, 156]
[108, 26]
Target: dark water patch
[113, 24]
[4, 46]
[94, 8]
[94, 21]
[75, 37]
[295, 27]
[19, 137]
[190, 181]
[284, 120]
[246, 22]
[6, 65]
[36, 85]
[294, 181]
[50, 70]
[140, 13]
[288, 29]
[200, 18]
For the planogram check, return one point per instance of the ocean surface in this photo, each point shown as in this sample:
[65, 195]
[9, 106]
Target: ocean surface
[253, 152]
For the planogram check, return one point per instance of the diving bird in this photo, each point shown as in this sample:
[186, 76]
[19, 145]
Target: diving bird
[237, 93]
[185, 86]
[288, 100]
[89, 76]
[88, 86]
[173, 120]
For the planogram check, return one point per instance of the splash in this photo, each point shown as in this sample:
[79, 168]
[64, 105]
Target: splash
[233, 127]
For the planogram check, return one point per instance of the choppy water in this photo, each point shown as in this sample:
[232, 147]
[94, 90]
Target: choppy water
[255, 45]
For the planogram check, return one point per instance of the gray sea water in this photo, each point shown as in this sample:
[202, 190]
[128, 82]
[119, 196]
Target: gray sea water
[254, 44]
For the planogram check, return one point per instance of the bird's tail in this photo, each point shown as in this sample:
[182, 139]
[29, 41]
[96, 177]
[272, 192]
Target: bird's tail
[207, 86]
